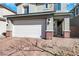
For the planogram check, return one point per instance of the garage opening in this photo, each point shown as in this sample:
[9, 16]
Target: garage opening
[32, 28]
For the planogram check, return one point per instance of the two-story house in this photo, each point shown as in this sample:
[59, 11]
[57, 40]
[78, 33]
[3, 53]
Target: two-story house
[39, 20]
[4, 11]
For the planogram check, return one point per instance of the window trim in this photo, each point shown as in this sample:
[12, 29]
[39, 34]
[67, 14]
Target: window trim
[26, 10]
[58, 7]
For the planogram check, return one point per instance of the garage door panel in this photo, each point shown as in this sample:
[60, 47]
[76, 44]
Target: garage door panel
[30, 28]
[27, 31]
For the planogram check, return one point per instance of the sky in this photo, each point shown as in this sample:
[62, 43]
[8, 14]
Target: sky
[12, 6]
[70, 6]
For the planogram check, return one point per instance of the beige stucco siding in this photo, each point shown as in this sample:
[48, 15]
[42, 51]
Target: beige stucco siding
[35, 8]
[50, 24]
[63, 7]
[2, 28]
[4, 11]
[32, 8]
[20, 9]
[66, 24]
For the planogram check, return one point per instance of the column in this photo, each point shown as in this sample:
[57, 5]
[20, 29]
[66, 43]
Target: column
[9, 29]
[63, 7]
[66, 27]
[49, 28]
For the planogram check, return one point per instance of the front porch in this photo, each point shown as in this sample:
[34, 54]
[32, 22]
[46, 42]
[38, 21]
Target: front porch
[61, 25]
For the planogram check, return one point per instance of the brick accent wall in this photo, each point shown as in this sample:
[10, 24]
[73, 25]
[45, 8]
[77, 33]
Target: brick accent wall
[8, 33]
[66, 34]
[74, 31]
[49, 35]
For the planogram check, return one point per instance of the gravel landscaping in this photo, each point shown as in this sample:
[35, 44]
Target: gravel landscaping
[39, 47]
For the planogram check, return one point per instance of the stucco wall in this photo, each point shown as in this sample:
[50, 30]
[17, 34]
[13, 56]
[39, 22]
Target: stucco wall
[20, 9]
[35, 8]
[4, 11]
[66, 24]
[2, 28]
[63, 7]
[50, 26]
[40, 8]
[32, 8]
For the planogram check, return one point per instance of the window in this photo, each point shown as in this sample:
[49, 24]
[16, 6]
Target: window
[58, 6]
[26, 11]
[46, 5]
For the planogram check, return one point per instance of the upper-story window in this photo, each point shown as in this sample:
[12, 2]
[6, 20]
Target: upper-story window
[26, 10]
[57, 6]
[46, 5]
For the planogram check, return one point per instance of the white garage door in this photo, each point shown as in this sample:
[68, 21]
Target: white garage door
[29, 28]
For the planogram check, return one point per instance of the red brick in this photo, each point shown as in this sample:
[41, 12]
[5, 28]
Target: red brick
[66, 34]
[49, 35]
[8, 34]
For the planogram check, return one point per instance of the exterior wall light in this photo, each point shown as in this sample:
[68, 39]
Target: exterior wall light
[48, 22]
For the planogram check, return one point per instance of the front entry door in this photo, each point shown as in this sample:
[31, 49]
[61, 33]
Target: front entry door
[58, 29]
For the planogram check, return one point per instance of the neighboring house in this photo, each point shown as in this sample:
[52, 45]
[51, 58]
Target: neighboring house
[39, 20]
[74, 22]
[4, 11]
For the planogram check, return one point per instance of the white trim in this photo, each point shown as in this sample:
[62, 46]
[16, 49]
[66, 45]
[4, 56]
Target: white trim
[50, 30]
[66, 30]
[66, 24]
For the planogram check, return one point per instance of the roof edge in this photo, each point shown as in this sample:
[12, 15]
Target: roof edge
[37, 14]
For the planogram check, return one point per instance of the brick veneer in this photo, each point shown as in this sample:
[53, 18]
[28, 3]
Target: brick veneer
[74, 32]
[49, 35]
[8, 33]
[66, 34]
